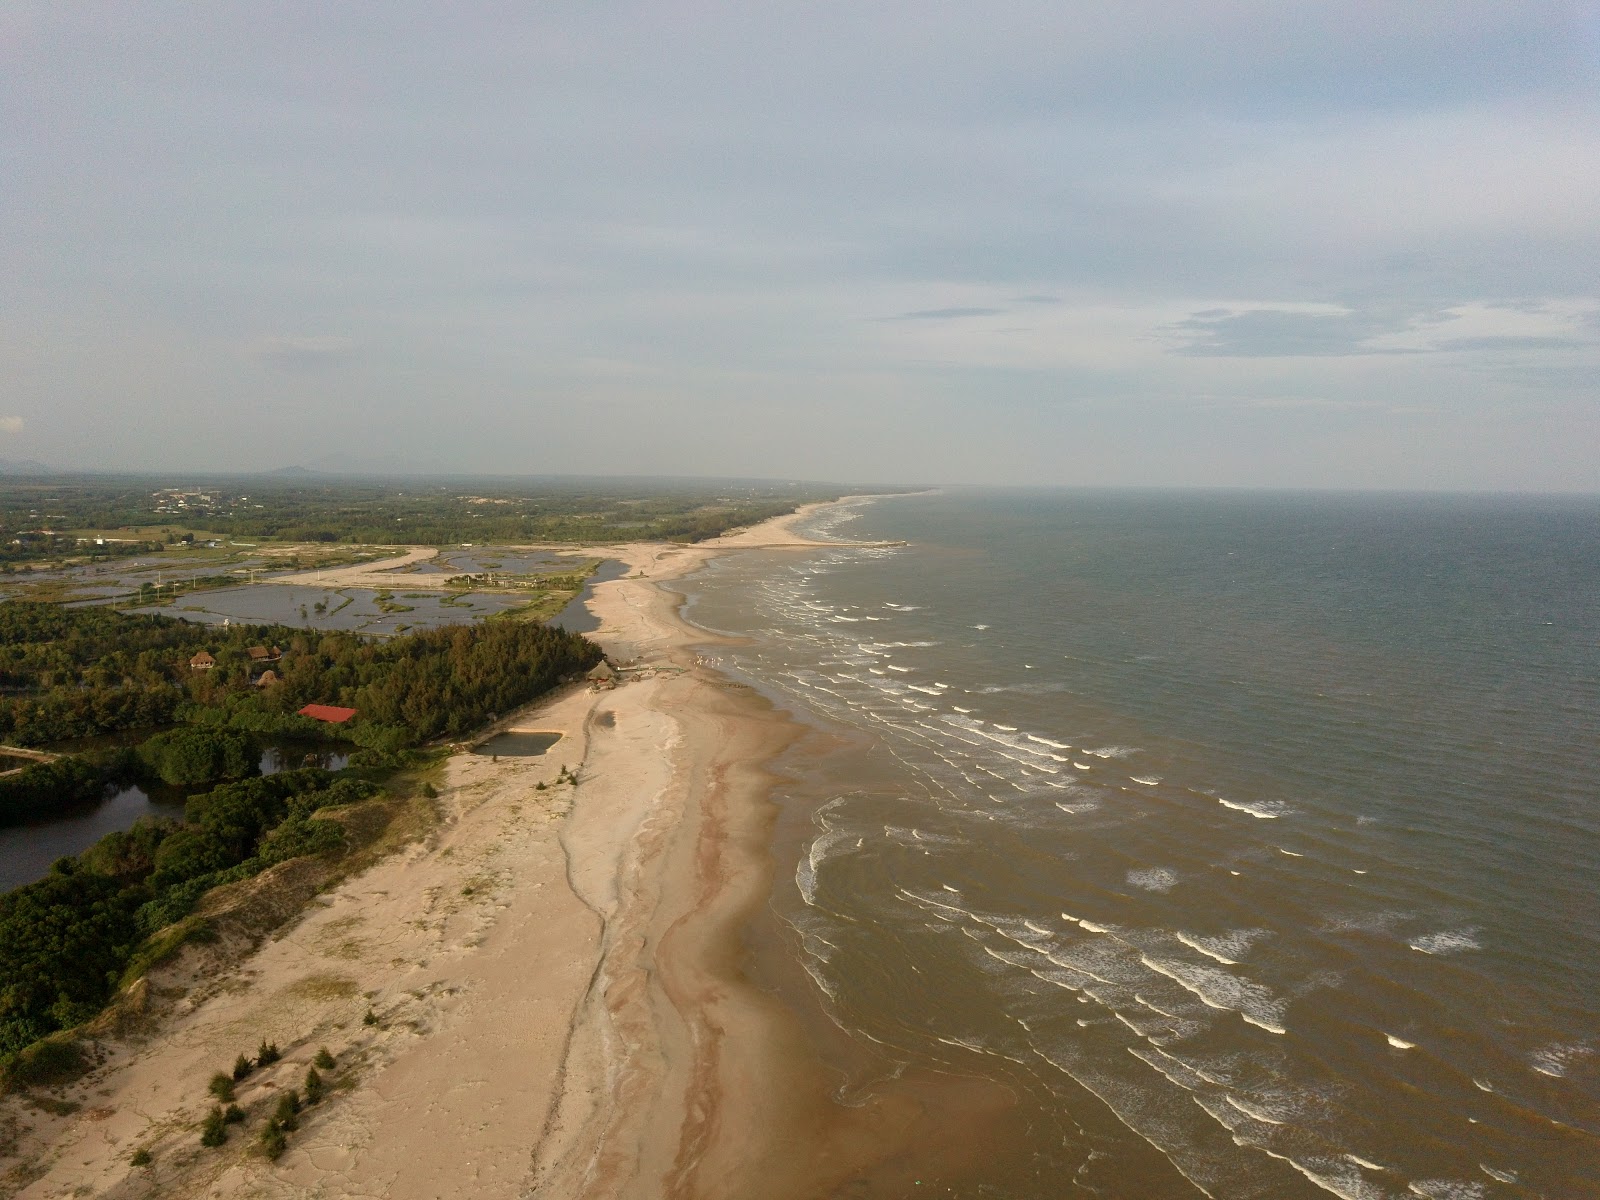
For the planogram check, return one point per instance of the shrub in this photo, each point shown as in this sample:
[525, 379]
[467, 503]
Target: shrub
[46, 1063]
[287, 1114]
[221, 1086]
[273, 1143]
[267, 1053]
[314, 1086]
[214, 1130]
[189, 756]
[233, 1114]
[431, 792]
[370, 1019]
[242, 1066]
[323, 1059]
[141, 1157]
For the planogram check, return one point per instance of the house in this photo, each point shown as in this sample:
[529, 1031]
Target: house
[602, 674]
[267, 678]
[331, 713]
[202, 661]
[260, 654]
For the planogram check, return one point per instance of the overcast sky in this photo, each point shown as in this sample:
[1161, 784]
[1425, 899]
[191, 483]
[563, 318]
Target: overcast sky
[1344, 244]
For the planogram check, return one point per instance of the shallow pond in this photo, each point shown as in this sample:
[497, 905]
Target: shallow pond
[518, 745]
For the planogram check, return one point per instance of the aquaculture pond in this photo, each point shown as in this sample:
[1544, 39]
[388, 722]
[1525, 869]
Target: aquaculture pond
[361, 610]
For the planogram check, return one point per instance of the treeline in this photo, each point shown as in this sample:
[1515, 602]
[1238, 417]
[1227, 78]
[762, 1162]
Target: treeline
[373, 511]
[79, 672]
[22, 546]
[66, 940]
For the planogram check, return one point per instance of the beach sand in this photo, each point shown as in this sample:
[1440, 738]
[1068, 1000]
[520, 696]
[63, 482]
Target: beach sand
[557, 978]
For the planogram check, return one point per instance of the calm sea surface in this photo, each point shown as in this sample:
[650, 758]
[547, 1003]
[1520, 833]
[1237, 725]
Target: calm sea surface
[1251, 840]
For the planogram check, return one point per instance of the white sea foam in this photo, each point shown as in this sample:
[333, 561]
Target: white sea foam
[1502, 1176]
[1265, 811]
[1290, 853]
[1251, 1111]
[1361, 1162]
[1331, 1175]
[1006, 728]
[980, 627]
[1448, 941]
[1447, 1189]
[1397, 1043]
[1555, 1058]
[1113, 751]
[959, 709]
[1082, 766]
[1221, 990]
[1147, 780]
[1153, 879]
[1226, 948]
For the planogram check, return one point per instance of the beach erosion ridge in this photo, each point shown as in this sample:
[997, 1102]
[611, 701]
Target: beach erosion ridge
[544, 995]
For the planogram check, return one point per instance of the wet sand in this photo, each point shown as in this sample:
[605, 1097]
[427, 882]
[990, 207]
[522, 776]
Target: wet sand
[558, 978]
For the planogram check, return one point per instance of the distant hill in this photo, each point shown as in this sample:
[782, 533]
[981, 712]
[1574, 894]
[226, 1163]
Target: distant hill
[294, 470]
[24, 466]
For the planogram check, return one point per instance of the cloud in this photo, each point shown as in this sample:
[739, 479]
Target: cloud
[947, 314]
[11, 424]
[1283, 333]
[304, 353]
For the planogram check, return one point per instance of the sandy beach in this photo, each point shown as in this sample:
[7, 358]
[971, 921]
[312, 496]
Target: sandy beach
[555, 975]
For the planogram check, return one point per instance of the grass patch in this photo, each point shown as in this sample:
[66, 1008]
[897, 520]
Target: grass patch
[48, 1063]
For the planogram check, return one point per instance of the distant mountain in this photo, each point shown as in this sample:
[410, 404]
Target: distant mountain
[24, 466]
[294, 470]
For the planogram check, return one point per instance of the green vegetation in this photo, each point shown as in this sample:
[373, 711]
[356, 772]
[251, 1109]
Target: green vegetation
[287, 1114]
[273, 1143]
[43, 789]
[379, 512]
[221, 1086]
[323, 1059]
[91, 671]
[187, 757]
[66, 940]
[267, 1054]
[141, 1157]
[214, 1129]
[242, 1066]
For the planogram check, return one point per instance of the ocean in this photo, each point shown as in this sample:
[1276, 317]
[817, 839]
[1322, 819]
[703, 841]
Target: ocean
[1249, 840]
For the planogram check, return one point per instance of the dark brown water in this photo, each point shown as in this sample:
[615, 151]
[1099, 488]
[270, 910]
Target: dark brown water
[27, 850]
[1251, 842]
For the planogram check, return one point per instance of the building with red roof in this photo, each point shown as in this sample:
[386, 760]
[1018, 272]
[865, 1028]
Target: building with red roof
[330, 713]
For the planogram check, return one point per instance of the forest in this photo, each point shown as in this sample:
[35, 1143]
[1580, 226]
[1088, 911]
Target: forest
[66, 940]
[83, 672]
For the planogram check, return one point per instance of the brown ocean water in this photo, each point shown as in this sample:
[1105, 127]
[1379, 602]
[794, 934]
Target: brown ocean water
[1250, 841]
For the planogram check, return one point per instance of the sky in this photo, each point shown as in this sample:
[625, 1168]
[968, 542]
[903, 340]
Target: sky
[1349, 244]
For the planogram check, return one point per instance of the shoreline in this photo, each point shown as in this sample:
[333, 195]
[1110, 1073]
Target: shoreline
[557, 975]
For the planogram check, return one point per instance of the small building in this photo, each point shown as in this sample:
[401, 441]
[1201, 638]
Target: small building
[267, 678]
[259, 654]
[202, 661]
[602, 674]
[331, 713]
